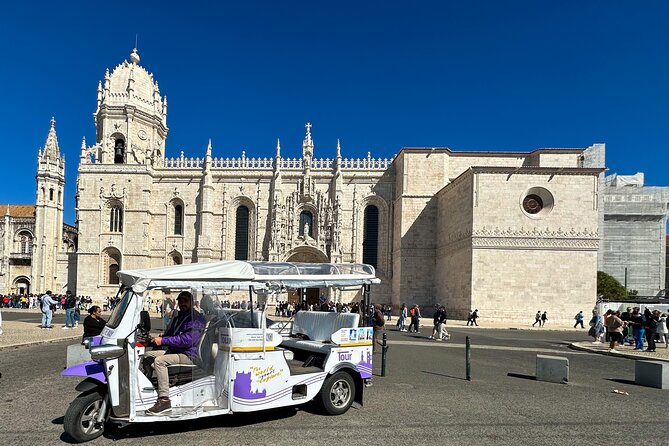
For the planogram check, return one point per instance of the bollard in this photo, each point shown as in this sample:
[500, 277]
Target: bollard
[384, 349]
[468, 359]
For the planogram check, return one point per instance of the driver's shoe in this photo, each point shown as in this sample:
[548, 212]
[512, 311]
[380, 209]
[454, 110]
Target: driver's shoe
[163, 405]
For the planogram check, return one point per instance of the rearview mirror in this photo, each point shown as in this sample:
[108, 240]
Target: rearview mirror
[144, 321]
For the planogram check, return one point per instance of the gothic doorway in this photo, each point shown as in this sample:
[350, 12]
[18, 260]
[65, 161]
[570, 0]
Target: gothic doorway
[308, 254]
[22, 285]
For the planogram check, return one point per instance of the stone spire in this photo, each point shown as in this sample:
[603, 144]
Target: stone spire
[83, 148]
[206, 211]
[99, 94]
[278, 149]
[207, 159]
[51, 149]
[308, 143]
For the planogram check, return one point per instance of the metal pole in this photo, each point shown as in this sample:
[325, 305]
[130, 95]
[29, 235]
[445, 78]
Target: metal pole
[625, 279]
[468, 358]
[384, 349]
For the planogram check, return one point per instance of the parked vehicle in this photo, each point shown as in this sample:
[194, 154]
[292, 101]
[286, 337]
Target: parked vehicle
[242, 365]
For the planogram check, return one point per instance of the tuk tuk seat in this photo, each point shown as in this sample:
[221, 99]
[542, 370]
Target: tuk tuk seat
[311, 330]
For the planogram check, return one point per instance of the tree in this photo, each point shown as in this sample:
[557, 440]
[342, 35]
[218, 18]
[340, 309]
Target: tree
[610, 288]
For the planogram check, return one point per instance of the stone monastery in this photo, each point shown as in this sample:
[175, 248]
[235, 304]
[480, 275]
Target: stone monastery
[507, 233]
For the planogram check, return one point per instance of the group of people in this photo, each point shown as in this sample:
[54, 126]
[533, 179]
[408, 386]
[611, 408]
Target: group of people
[540, 318]
[49, 303]
[630, 327]
[31, 301]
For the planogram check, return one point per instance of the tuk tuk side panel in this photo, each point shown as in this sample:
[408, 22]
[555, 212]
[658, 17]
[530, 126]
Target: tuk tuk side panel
[267, 383]
[358, 357]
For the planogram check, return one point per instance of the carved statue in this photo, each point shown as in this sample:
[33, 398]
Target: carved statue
[306, 229]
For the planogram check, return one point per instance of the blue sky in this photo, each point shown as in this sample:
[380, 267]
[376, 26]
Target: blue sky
[468, 75]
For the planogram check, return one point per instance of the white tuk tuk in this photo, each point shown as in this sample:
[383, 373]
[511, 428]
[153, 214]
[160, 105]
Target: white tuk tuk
[242, 365]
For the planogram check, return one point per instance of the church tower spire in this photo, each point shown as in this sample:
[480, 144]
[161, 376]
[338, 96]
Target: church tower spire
[131, 116]
[48, 240]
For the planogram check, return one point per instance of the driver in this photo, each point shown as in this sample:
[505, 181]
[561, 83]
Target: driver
[181, 338]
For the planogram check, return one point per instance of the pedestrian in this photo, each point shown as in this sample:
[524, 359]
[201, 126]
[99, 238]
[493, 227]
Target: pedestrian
[379, 323]
[637, 321]
[652, 319]
[596, 327]
[69, 304]
[537, 318]
[469, 317]
[415, 319]
[579, 319]
[615, 328]
[46, 306]
[544, 318]
[439, 324]
[662, 330]
[475, 315]
[401, 321]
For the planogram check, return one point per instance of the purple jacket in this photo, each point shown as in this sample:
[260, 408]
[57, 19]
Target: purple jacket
[184, 333]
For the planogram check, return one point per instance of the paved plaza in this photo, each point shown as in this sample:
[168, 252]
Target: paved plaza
[424, 399]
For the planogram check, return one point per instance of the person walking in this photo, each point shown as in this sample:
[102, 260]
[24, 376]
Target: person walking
[544, 318]
[439, 321]
[614, 325]
[537, 319]
[579, 319]
[46, 305]
[596, 327]
[401, 321]
[662, 330]
[475, 315]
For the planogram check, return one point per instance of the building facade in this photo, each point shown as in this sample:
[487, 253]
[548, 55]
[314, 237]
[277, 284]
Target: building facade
[506, 233]
[38, 250]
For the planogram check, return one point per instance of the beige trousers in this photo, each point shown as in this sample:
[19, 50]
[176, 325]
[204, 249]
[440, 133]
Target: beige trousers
[159, 360]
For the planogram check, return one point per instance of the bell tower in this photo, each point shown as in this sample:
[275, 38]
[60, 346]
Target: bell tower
[131, 116]
[48, 238]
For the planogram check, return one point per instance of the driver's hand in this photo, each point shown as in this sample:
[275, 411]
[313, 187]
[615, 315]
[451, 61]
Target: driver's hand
[157, 340]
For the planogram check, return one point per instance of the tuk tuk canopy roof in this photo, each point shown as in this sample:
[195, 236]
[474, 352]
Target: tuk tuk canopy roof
[227, 273]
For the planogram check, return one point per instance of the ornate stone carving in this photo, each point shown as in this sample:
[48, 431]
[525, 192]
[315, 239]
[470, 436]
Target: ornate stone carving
[521, 238]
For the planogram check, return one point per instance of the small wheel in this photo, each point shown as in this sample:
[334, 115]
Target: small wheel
[80, 418]
[337, 393]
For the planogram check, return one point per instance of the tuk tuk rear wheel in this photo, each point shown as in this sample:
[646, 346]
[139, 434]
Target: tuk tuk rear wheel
[338, 393]
[80, 418]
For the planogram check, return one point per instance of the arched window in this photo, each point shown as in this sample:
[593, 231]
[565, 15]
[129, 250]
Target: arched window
[119, 151]
[370, 241]
[25, 243]
[306, 224]
[51, 194]
[112, 265]
[116, 218]
[176, 258]
[242, 233]
[178, 219]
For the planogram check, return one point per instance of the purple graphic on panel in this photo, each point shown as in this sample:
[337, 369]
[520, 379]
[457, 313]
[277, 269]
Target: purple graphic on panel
[365, 364]
[243, 387]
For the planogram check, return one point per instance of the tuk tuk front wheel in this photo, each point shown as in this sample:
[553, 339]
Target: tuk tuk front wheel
[80, 419]
[337, 393]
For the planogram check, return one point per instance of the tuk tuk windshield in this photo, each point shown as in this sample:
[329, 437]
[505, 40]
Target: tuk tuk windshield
[123, 299]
